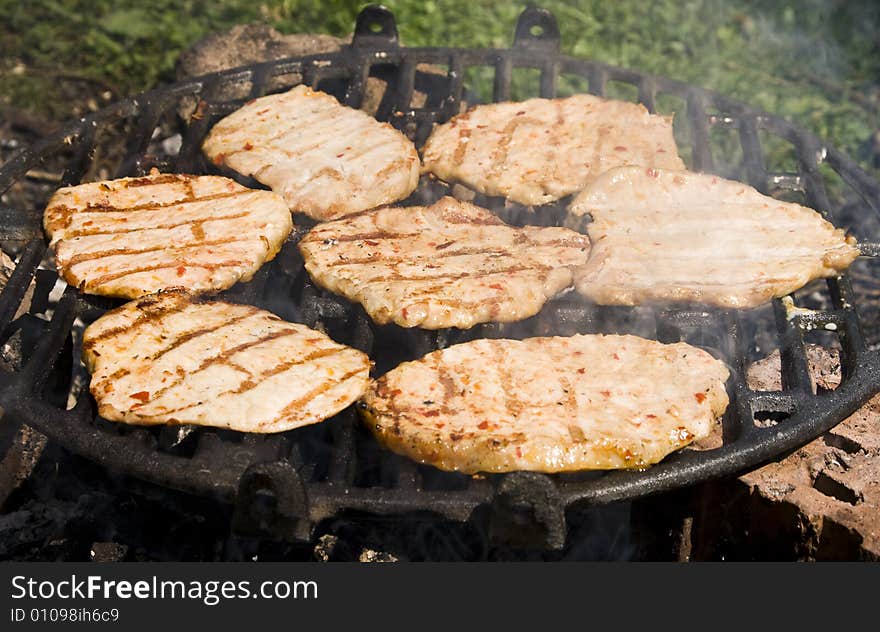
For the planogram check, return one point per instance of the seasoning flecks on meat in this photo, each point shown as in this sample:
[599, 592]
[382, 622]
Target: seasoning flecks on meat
[325, 159]
[451, 264]
[548, 404]
[537, 151]
[134, 236]
[170, 358]
[677, 236]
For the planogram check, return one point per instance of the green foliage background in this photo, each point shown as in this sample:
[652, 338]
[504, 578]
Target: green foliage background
[814, 61]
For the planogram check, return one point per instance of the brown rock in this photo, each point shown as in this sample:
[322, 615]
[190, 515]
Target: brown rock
[828, 492]
[255, 43]
[244, 45]
[250, 44]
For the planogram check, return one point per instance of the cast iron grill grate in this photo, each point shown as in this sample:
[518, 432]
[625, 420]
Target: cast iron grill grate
[284, 484]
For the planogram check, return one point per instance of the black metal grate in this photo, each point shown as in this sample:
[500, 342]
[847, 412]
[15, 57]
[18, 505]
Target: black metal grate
[314, 472]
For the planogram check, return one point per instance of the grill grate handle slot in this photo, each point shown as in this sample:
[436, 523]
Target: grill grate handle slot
[375, 28]
[537, 30]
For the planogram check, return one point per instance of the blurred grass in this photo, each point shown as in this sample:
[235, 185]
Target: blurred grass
[814, 61]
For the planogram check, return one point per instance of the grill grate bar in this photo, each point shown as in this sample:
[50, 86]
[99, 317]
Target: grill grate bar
[342, 460]
[189, 158]
[867, 188]
[795, 370]
[503, 70]
[13, 294]
[260, 81]
[741, 418]
[139, 138]
[456, 86]
[549, 79]
[598, 80]
[789, 181]
[354, 96]
[847, 323]
[39, 365]
[753, 155]
[648, 94]
[82, 155]
[407, 475]
[311, 75]
[809, 156]
[406, 82]
[700, 141]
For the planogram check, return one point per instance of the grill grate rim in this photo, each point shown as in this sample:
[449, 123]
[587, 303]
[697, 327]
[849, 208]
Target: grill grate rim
[331, 459]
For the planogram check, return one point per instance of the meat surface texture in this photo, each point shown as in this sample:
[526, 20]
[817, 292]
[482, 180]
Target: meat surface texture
[537, 151]
[451, 264]
[548, 404]
[134, 236]
[169, 358]
[677, 236]
[325, 159]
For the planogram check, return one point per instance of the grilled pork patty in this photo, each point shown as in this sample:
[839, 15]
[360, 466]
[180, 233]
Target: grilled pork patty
[539, 150]
[327, 160]
[134, 236]
[170, 358]
[451, 264]
[548, 404]
[661, 235]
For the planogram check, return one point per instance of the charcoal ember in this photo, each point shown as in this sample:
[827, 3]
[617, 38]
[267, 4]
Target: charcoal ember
[369, 555]
[325, 547]
[822, 501]
[331, 547]
[108, 552]
[37, 531]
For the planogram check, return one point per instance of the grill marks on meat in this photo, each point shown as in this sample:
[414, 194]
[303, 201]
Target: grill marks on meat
[172, 359]
[134, 236]
[451, 264]
[327, 160]
[660, 235]
[548, 404]
[539, 150]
